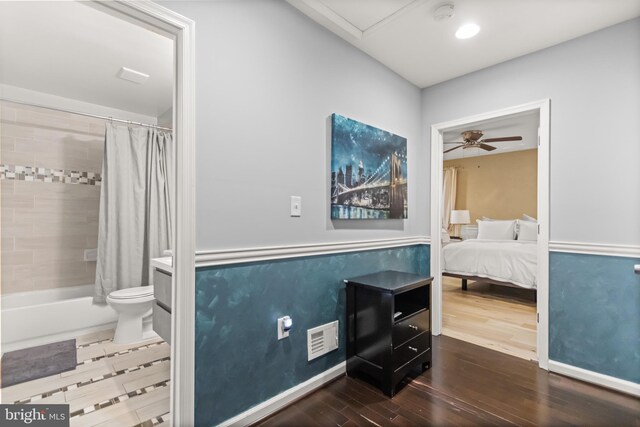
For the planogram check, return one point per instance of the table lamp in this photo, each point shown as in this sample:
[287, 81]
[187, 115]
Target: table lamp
[458, 218]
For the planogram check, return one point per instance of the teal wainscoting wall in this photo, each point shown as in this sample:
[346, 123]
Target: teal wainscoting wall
[594, 313]
[239, 360]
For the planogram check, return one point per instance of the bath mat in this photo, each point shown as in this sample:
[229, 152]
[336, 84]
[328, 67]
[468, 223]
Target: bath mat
[37, 362]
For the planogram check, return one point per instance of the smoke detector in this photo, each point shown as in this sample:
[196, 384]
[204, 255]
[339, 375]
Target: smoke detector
[132, 75]
[443, 12]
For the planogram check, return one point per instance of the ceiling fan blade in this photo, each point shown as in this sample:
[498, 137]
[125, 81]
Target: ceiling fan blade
[455, 142]
[454, 148]
[486, 147]
[504, 138]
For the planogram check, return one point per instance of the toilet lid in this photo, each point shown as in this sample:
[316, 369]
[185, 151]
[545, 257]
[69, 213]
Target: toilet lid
[140, 291]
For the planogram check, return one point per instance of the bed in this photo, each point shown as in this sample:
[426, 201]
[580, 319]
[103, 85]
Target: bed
[501, 262]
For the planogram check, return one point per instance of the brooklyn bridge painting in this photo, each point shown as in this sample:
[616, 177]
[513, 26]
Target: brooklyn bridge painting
[368, 171]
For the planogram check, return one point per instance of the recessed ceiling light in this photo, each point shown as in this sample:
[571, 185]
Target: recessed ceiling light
[467, 31]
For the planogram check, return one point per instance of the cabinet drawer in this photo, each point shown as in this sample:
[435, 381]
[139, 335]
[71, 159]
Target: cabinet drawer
[162, 322]
[405, 353]
[410, 328]
[162, 288]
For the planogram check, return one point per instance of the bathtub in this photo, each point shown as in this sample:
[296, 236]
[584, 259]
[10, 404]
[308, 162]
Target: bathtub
[41, 317]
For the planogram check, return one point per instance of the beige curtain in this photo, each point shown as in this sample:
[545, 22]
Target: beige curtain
[449, 196]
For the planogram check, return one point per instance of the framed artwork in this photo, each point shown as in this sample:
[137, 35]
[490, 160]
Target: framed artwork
[368, 171]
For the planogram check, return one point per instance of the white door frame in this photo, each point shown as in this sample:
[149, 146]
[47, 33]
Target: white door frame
[157, 18]
[437, 144]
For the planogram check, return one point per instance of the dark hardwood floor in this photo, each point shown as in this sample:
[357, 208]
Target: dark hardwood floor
[468, 385]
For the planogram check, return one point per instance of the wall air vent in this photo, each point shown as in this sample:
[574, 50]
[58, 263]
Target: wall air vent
[322, 339]
[132, 75]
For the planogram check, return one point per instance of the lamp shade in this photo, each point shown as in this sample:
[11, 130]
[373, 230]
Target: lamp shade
[460, 217]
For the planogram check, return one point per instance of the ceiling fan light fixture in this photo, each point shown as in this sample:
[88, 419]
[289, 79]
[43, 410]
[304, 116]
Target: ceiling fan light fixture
[467, 31]
[472, 139]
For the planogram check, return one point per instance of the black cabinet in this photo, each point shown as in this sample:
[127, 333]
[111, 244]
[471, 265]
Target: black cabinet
[388, 326]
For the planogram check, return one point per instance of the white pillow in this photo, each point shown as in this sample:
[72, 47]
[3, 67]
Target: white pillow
[526, 217]
[469, 232]
[486, 218]
[528, 231]
[496, 230]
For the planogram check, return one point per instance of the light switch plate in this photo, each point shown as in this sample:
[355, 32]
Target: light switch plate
[296, 206]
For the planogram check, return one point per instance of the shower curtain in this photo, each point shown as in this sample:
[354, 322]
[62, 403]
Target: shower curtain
[135, 206]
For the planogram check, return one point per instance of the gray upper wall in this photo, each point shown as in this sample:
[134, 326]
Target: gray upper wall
[267, 80]
[594, 86]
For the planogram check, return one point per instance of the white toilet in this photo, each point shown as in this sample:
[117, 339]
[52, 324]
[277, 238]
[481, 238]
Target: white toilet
[133, 305]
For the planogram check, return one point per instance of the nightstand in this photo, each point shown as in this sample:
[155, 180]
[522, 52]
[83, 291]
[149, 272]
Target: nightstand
[452, 240]
[388, 327]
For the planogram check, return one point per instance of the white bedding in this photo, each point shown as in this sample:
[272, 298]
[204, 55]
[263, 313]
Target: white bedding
[504, 260]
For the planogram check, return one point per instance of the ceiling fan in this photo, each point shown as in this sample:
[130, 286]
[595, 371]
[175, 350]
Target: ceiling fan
[471, 139]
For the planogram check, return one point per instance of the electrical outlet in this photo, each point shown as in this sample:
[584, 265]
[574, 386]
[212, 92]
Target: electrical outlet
[90, 254]
[296, 206]
[284, 326]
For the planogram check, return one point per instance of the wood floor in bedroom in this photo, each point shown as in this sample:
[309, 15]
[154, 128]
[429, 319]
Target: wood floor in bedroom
[115, 385]
[495, 317]
[467, 386]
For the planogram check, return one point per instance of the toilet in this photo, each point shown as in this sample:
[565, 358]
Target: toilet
[133, 305]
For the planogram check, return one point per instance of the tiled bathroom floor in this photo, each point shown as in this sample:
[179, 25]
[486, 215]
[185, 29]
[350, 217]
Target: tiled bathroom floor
[113, 385]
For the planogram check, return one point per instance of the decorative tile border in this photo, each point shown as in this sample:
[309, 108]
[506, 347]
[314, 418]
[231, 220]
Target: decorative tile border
[39, 396]
[154, 421]
[94, 343]
[119, 353]
[107, 401]
[118, 399]
[38, 174]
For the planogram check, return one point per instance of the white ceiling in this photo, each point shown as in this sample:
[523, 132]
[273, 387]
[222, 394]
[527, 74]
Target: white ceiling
[404, 36]
[69, 49]
[521, 124]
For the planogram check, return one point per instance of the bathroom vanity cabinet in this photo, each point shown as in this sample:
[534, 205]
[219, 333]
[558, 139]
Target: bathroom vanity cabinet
[388, 327]
[162, 303]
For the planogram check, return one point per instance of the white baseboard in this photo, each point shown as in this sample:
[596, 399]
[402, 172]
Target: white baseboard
[285, 398]
[595, 378]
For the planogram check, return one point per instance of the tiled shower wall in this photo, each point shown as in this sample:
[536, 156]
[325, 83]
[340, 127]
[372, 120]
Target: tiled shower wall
[50, 175]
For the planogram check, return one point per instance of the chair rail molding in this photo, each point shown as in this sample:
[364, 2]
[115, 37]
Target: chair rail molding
[606, 249]
[235, 256]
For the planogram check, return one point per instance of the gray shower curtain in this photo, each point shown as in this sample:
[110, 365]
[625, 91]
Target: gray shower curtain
[135, 206]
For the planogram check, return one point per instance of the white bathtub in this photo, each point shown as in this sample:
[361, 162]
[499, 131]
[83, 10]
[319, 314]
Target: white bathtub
[41, 317]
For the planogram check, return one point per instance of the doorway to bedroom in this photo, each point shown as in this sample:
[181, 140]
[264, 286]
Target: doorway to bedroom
[490, 286]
